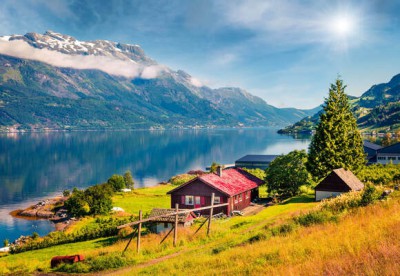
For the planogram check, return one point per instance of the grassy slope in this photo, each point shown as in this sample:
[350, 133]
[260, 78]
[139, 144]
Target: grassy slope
[365, 241]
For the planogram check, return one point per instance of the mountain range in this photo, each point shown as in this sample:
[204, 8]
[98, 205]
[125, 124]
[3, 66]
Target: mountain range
[378, 109]
[54, 81]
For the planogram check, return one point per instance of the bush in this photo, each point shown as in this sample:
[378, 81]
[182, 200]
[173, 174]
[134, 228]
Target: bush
[180, 179]
[124, 232]
[315, 217]
[283, 230]
[369, 195]
[66, 193]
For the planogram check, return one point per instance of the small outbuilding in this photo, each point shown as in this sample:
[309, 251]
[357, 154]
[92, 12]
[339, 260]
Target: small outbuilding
[339, 181]
[165, 223]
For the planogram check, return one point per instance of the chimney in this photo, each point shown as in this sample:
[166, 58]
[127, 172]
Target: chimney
[219, 171]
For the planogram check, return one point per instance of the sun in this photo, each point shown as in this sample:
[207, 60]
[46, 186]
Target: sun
[342, 26]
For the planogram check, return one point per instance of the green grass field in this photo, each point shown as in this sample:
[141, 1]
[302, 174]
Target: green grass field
[223, 232]
[363, 241]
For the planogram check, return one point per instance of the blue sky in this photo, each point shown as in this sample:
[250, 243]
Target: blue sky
[285, 51]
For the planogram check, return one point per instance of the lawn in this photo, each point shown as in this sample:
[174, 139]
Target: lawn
[143, 199]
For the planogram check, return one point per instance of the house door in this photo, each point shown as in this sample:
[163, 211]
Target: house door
[197, 201]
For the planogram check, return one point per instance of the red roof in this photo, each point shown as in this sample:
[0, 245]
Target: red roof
[232, 182]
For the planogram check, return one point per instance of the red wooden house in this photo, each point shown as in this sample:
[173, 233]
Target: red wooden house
[234, 186]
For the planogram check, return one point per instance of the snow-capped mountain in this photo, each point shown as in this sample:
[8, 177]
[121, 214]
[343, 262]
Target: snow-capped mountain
[69, 45]
[56, 81]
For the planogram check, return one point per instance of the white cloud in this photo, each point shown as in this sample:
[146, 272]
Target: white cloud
[109, 65]
[152, 71]
[196, 82]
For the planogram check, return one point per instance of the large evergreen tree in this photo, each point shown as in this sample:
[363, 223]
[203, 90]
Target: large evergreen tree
[337, 143]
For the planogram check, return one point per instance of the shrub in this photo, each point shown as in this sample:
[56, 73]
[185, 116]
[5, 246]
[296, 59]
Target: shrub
[369, 195]
[283, 230]
[315, 217]
[257, 237]
[124, 232]
[180, 179]
[66, 193]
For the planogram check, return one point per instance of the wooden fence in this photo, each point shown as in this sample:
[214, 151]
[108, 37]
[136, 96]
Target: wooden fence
[174, 228]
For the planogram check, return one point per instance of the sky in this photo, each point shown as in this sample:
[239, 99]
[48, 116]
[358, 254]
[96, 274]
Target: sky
[287, 52]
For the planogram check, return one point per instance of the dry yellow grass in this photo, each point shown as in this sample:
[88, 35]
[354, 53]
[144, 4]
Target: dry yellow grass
[366, 242]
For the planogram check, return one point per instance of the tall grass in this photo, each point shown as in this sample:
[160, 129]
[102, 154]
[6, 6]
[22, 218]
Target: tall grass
[364, 242]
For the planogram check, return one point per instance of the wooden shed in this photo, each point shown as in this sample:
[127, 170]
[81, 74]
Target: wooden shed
[339, 181]
[165, 224]
[234, 186]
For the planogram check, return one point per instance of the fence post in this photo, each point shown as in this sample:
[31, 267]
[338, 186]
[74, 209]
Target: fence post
[139, 231]
[176, 224]
[211, 213]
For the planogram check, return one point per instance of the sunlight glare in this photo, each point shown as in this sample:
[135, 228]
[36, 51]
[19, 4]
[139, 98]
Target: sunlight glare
[342, 26]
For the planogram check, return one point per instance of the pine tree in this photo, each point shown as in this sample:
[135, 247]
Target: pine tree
[337, 143]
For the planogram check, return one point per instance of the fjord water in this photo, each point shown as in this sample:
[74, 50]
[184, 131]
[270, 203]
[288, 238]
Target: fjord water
[35, 166]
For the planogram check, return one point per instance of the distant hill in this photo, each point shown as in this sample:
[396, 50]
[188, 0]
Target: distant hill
[68, 84]
[378, 109]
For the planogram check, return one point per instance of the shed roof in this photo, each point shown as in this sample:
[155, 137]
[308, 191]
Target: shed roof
[233, 181]
[257, 158]
[182, 218]
[370, 145]
[340, 180]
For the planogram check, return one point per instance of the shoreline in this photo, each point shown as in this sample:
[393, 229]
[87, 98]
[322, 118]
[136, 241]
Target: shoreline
[44, 210]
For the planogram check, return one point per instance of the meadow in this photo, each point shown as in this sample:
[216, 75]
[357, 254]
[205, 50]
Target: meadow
[362, 240]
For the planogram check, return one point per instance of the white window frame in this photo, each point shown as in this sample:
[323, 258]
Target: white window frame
[240, 197]
[247, 194]
[217, 200]
[236, 198]
[189, 200]
[197, 198]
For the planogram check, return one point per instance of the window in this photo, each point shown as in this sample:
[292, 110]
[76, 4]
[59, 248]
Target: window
[166, 225]
[240, 197]
[189, 200]
[381, 157]
[217, 200]
[236, 199]
[247, 194]
[197, 200]
[391, 158]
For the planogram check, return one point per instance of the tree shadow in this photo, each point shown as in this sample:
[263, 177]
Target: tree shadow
[299, 199]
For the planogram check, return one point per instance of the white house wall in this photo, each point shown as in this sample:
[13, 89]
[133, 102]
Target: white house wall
[384, 159]
[319, 195]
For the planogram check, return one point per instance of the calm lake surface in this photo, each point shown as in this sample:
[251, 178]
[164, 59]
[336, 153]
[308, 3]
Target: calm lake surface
[35, 166]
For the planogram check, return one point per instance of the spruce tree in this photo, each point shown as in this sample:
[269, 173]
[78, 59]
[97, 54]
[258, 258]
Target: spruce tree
[337, 142]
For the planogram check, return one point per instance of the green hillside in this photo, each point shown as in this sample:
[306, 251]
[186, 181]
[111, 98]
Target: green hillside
[378, 109]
